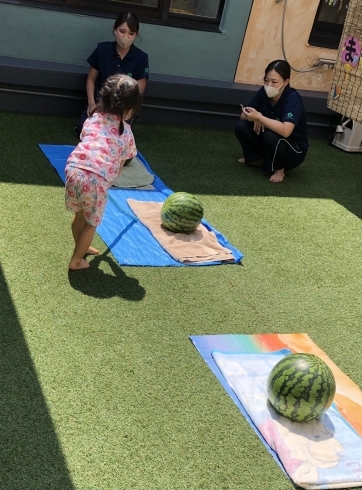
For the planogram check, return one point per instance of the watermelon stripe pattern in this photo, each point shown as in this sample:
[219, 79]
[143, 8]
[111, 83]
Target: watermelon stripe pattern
[181, 212]
[301, 387]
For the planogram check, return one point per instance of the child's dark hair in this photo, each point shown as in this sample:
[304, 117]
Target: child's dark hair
[119, 95]
[130, 18]
[280, 66]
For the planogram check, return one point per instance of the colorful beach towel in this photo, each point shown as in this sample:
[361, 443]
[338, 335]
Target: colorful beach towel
[322, 454]
[130, 242]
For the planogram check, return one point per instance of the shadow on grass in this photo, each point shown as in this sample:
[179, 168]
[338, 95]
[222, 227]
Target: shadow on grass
[213, 169]
[22, 160]
[193, 159]
[30, 455]
[98, 284]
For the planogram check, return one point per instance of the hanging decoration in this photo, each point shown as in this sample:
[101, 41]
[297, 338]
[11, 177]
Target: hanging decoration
[351, 51]
[345, 96]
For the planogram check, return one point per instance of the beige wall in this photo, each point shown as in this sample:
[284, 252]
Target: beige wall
[263, 44]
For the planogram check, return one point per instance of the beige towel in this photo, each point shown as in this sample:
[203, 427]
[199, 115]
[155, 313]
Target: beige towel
[199, 246]
[135, 176]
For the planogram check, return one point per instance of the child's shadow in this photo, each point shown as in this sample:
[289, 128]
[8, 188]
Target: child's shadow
[97, 283]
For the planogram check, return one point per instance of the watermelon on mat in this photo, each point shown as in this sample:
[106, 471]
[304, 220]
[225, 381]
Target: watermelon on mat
[301, 387]
[181, 212]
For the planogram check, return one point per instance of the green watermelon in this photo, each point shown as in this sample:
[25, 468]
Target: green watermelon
[301, 387]
[181, 212]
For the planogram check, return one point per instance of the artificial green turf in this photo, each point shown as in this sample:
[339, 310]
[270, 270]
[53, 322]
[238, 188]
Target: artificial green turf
[100, 387]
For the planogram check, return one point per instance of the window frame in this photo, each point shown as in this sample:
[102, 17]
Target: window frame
[148, 15]
[325, 34]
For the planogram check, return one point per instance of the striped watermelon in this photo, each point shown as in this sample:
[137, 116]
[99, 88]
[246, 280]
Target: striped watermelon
[301, 387]
[181, 212]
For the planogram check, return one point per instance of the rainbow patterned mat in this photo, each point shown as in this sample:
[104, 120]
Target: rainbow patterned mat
[325, 453]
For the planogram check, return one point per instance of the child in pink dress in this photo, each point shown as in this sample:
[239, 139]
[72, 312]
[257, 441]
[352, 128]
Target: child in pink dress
[106, 143]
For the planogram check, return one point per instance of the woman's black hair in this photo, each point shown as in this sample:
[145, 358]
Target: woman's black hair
[131, 19]
[119, 95]
[280, 66]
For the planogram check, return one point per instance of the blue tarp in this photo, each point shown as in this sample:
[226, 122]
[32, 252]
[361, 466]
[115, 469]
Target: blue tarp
[130, 242]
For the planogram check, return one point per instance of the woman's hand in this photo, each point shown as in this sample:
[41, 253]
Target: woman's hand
[258, 126]
[251, 114]
[91, 107]
[261, 122]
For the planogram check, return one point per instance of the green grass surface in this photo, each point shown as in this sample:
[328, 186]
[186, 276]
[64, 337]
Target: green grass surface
[100, 387]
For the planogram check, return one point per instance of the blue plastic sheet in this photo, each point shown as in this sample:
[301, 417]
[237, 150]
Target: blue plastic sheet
[130, 242]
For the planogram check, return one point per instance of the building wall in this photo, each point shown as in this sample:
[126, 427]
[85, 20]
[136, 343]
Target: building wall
[48, 35]
[263, 44]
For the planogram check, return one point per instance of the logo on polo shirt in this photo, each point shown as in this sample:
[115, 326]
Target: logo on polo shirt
[146, 70]
[290, 114]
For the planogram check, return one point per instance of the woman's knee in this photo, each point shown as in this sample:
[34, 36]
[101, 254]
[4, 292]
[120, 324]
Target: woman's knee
[242, 128]
[270, 138]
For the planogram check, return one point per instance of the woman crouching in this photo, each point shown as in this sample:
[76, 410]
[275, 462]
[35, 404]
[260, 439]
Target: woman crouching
[273, 128]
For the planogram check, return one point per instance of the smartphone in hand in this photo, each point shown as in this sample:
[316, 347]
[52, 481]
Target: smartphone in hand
[243, 107]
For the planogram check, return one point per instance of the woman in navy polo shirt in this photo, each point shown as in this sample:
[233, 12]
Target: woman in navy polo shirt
[111, 57]
[273, 128]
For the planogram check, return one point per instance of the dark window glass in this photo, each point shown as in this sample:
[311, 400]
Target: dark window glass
[328, 25]
[144, 3]
[199, 8]
[197, 14]
[138, 3]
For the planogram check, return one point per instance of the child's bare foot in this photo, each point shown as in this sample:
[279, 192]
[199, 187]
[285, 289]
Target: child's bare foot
[76, 265]
[241, 160]
[278, 176]
[92, 251]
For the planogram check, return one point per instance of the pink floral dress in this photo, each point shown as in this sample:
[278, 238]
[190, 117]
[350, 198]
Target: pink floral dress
[95, 163]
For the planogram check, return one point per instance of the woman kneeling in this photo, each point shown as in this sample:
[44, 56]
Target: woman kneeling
[273, 128]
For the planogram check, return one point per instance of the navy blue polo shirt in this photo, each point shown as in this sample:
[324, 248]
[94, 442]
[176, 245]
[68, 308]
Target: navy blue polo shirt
[289, 108]
[107, 61]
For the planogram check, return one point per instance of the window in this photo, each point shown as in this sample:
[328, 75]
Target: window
[328, 25]
[197, 14]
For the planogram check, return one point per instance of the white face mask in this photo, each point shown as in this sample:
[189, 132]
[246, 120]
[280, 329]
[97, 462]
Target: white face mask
[273, 91]
[123, 42]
